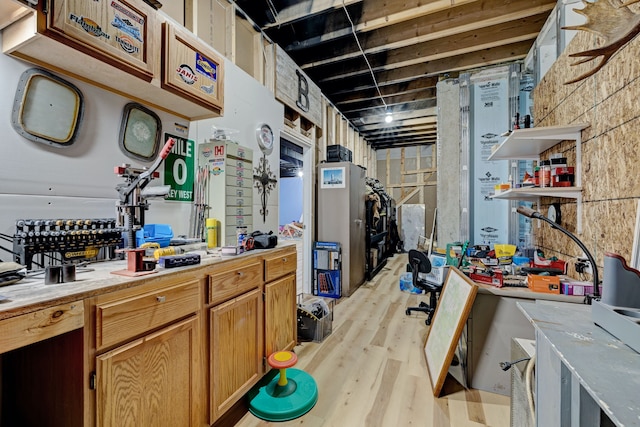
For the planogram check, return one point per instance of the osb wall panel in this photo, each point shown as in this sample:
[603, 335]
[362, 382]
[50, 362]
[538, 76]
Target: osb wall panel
[607, 101]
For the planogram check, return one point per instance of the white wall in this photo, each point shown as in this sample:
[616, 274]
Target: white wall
[247, 104]
[39, 181]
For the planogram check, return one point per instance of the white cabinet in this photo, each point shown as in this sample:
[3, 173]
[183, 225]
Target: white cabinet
[527, 144]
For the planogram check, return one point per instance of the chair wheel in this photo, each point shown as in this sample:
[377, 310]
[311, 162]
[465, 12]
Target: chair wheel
[407, 312]
[427, 322]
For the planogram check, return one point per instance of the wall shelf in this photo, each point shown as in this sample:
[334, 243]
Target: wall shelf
[527, 144]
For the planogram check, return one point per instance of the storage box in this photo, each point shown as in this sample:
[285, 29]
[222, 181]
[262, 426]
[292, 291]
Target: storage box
[338, 153]
[578, 288]
[315, 319]
[546, 284]
[154, 233]
[439, 270]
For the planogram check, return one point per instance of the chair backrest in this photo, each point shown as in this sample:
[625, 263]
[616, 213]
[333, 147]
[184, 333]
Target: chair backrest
[419, 263]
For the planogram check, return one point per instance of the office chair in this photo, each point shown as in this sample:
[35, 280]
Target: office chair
[419, 263]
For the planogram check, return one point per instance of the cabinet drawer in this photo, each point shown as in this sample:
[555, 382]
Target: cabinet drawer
[279, 265]
[230, 282]
[120, 320]
[33, 327]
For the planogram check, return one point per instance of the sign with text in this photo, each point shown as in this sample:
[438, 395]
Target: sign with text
[296, 90]
[490, 118]
[178, 169]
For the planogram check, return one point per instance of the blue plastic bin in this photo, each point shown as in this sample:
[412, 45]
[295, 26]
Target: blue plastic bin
[154, 233]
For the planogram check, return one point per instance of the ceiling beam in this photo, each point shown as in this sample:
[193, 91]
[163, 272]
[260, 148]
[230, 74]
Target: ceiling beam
[479, 59]
[461, 44]
[472, 16]
[371, 92]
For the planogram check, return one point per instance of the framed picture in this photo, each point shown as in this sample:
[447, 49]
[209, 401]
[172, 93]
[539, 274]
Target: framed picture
[140, 132]
[47, 109]
[452, 311]
[333, 178]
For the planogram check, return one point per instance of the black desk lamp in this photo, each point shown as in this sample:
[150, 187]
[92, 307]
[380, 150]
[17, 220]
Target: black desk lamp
[530, 213]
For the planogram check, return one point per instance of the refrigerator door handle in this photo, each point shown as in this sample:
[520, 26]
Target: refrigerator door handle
[358, 221]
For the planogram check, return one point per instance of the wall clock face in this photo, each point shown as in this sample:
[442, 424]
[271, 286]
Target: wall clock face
[554, 213]
[265, 138]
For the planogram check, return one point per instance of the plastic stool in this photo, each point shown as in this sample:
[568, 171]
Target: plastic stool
[284, 398]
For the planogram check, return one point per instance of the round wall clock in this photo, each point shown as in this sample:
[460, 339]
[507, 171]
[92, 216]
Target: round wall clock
[554, 213]
[265, 137]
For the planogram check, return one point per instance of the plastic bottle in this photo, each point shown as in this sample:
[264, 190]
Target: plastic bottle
[212, 225]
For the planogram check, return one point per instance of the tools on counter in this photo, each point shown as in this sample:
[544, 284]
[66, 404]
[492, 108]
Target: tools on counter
[200, 204]
[133, 193]
[71, 238]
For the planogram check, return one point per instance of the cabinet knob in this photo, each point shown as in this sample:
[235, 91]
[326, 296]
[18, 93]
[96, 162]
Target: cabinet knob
[161, 299]
[284, 260]
[240, 273]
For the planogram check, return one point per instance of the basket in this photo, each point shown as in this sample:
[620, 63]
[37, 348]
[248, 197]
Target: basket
[439, 270]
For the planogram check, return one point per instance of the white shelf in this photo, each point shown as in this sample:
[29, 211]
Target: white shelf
[533, 193]
[527, 144]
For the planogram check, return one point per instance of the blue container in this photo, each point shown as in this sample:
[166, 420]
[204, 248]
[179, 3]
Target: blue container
[406, 284]
[154, 233]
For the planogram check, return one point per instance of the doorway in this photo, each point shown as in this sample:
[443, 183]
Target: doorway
[295, 216]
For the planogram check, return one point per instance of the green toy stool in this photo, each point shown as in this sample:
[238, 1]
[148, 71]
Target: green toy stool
[288, 396]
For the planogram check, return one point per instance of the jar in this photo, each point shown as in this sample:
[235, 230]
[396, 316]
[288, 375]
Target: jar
[241, 234]
[545, 173]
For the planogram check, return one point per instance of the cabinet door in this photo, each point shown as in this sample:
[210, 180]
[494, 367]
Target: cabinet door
[118, 32]
[191, 69]
[236, 350]
[153, 381]
[280, 314]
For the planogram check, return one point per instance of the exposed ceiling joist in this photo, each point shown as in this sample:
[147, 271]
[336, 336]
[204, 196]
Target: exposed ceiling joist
[410, 46]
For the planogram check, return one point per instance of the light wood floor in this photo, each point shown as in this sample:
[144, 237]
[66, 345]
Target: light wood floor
[371, 370]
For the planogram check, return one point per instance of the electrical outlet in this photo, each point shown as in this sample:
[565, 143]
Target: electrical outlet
[583, 266]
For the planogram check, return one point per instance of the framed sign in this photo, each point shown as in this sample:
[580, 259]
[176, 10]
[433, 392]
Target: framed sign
[333, 178]
[452, 311]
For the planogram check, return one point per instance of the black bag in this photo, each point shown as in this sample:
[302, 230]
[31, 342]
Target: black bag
[264, 240]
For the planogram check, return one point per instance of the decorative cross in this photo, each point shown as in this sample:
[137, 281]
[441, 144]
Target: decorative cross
[265, 181]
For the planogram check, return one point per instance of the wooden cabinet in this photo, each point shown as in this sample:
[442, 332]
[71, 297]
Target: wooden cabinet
[280, 314]
[118, 45]
[248, 321]
[118, 32]
[280, 301]
[235, 350]
[153, 376]
[151, 381]
[191, 69]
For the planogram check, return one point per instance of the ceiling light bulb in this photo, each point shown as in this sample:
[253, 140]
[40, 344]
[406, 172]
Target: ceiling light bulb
[300, 173]
[388, 118]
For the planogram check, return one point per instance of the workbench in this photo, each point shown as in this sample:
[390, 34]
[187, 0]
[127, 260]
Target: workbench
[176, 348]
[494, 320]
[584, 375]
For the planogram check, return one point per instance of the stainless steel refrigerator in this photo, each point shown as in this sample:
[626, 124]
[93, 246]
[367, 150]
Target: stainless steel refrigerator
[341, 217]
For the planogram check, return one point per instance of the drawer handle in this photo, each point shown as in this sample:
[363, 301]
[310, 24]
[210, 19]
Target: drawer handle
[161, 299]
[284, 260]
[240, 273]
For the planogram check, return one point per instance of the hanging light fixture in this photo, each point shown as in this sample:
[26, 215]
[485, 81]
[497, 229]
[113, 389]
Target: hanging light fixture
[388, 118]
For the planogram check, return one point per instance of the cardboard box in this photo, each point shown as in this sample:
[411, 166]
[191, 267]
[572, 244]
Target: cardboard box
[546, 284]
[578, 288]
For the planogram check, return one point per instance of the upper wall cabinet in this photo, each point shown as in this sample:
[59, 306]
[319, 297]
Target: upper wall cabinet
[11, 11]
[118, 45]
[190, 68]
[116, 32]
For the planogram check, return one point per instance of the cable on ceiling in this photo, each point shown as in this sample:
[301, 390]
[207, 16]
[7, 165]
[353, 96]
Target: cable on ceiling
[353, 30]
